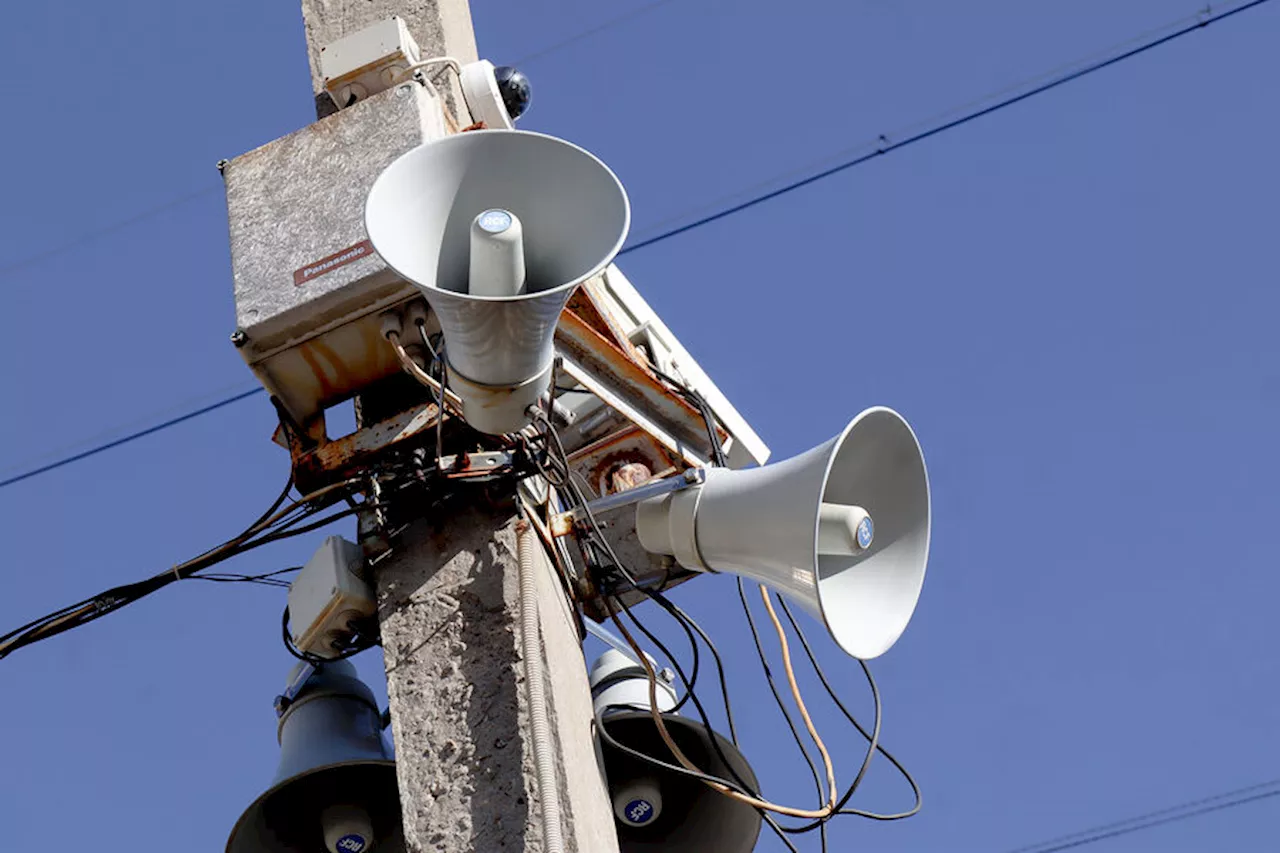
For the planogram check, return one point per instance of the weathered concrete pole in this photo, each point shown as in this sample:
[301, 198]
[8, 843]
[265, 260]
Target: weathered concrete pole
[449, 606]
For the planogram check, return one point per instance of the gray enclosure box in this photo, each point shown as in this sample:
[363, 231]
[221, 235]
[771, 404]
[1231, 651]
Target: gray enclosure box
[308, 286]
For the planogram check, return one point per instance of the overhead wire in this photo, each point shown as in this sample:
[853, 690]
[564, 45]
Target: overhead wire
[882, 149]
[133, 436]
[99, 233]
[1162, 817]
[887, 146]
[178, 201]
[589, 32]
[278, 522]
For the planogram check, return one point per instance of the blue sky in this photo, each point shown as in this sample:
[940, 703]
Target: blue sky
[1072, 301]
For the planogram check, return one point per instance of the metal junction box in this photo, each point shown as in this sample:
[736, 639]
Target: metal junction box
[308, 285]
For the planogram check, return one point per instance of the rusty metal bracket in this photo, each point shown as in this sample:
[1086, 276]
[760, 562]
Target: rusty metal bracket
[614, 376]
[353, 454]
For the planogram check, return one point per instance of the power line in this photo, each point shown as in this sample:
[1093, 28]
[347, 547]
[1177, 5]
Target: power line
[888, 146]
[588, 33]
[1150, 820]
[93, 451]
[151, 212]
[1200, 23]
[99, 233]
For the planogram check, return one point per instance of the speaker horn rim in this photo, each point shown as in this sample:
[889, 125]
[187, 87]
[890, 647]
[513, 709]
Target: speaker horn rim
[471, 134]
[833, 629]
[251, 811]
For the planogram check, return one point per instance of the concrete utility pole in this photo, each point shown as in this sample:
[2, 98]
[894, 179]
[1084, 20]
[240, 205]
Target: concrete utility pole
[450, 613]
[441, 28]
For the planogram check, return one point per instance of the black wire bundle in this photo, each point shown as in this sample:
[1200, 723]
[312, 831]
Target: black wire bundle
[280, 521]
[611, 573]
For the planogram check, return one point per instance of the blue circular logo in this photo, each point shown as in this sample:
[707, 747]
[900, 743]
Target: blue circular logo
[866, 532]
[495, 221]
[352, 843]
[639, 812]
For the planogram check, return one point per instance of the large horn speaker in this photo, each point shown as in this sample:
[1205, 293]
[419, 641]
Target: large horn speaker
[497, 227]
[843, 529]
[335, 788]
[657, 810]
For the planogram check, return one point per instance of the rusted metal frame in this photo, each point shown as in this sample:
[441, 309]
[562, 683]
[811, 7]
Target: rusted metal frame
[588, 306]
[619, 381]
[354, 453]
[596, 460]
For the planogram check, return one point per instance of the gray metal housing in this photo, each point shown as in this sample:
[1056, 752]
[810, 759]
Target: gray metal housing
[308, 285]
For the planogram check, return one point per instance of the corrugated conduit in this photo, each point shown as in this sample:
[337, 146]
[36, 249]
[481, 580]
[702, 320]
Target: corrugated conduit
[535, 687]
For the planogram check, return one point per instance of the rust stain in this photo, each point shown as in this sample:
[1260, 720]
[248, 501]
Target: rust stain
[579, 338]
[317, 370]
[342, 456]
[341, 379]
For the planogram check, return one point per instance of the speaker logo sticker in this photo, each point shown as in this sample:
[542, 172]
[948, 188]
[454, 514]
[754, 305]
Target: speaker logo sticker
[351, 843]
[302, 275]
[866, 532]
[639, 811]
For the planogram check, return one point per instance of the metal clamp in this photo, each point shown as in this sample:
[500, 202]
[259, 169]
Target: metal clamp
[562, 524]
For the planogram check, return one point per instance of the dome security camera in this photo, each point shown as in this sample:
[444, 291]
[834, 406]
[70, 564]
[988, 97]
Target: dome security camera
[515, 90]
[495, 96]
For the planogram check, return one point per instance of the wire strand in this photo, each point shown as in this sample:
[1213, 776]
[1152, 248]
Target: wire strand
[714, 217]
[889, 147]
[684, 760]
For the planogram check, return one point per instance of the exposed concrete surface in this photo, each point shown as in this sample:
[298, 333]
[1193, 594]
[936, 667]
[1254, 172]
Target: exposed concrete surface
[441, 28]
[449, 608]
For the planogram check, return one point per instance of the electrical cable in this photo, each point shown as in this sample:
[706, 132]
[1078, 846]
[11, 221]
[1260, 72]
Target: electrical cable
[672, 768]
[872, 738]
[690, 682]
[676, 612]
[887, 147]
[277, 523]
[315, 660]
[133, 436]
[1162, 817]
[553, 440]
[587, 33]
[92, 235]
[777, 697]
[232, 577]
[738, 782]
[449, 398]
[164, 207]
[725, 789]
[658, 238]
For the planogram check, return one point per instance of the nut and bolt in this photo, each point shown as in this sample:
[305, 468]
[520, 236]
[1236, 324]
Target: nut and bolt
[239, 338]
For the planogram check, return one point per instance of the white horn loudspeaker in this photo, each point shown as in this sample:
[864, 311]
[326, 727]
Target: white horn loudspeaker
[497, 228]
[842, 529]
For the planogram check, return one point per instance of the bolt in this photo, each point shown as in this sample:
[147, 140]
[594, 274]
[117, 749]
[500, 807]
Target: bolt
[239, 338]
[222, 166]
[667, 675]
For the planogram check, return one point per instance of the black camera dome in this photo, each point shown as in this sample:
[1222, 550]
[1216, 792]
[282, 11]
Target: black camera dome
[515, 90]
